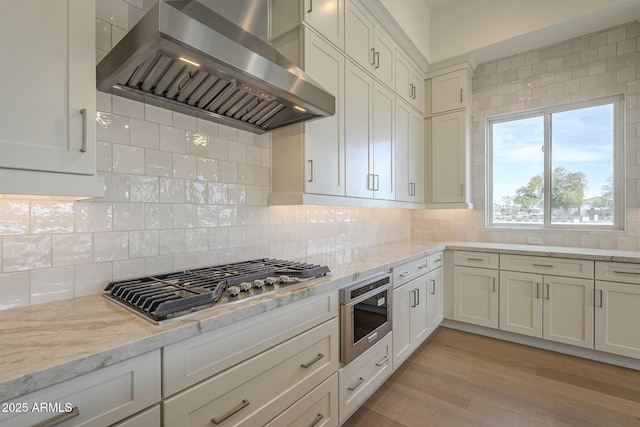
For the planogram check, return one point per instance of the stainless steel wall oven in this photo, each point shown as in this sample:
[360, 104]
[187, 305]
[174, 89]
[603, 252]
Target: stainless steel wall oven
[365, 315]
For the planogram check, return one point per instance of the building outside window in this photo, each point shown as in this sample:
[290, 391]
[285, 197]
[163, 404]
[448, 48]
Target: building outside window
[558, 167]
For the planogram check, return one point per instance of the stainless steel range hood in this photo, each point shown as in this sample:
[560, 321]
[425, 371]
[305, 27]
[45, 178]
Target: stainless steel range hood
[184, 56]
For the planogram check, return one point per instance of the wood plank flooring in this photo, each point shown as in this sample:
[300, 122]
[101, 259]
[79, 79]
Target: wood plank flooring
[461, 379]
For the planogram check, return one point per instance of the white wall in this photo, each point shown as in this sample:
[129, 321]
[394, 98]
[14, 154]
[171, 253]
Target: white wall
[496, 28]
[414, 18]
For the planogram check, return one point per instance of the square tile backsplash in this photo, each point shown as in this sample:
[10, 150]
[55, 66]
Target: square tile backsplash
[181, 192]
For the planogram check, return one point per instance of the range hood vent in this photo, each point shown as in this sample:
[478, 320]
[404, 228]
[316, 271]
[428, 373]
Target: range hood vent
[184, 56]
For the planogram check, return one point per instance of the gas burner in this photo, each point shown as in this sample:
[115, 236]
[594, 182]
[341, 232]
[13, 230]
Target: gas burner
[167, 296]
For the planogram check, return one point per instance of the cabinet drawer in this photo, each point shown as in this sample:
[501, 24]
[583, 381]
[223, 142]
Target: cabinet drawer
[475, 259]
[256, 390]
[150, 417]
[198, 358]
[103, 397]
[319, 408]
[436, 260]
[618, 272]
[546, 265]
[363, 375]
[407, 272]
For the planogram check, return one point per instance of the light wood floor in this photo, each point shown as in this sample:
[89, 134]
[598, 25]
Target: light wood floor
[462, 379]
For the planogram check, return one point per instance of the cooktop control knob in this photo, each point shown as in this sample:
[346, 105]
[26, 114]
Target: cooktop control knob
[234, 291]
[270, 281]
[258, 283]
[285, 279]
[245, 286]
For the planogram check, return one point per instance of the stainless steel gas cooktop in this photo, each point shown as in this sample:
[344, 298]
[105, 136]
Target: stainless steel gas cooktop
[167, 296]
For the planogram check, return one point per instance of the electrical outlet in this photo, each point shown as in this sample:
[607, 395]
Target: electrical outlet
[534, 240]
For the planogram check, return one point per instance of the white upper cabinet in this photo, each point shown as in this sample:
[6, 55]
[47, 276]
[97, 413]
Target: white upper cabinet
[409, 82]
[450, 158]
[370, 149]
[450, 91]
[47, 117]
[368, 45]
[309, 158]
[409, 143]
[324, 16]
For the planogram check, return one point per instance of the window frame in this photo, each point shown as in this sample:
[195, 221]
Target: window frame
[619, 172]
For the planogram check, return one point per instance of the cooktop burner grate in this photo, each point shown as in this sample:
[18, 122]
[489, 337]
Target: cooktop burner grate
[165, 296]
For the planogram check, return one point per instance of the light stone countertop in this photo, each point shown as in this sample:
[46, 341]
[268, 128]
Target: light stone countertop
[45, 344]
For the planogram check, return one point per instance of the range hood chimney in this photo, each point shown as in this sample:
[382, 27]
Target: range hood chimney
[185, 57]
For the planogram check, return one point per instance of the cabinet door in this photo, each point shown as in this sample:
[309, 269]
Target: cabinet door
[617, 317]
[357, 111]
[409, 82]
[568, 310]
[475, 293]
[384, 61]
[47, 119]
[449, 152]
[416, 156]
[326, 17]
[409, 145]
[403, 300]
[358, 30]
[324, 138]
[419, 325]
[449, 91]
[521, 303]
[404, 188]
[434, 300]
[382, 146]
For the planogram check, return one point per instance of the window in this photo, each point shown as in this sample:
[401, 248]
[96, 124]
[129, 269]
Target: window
[560, 167]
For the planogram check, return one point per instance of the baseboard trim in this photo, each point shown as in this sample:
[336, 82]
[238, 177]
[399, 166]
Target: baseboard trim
[585, 353]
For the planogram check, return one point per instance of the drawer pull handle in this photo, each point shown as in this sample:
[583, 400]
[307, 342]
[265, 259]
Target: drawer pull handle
[59, 419]
[437, 260]
[232, 412]
[475, 259]
[632, 273]
[543, 265]
[354, 387]
[383, 361]
[311, 362]
[319, 418]
[420, 267]
[406, 273]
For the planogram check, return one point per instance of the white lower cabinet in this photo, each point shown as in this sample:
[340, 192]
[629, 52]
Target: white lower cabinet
[319, 408]
[100, 398]
[475, 296]
[435, 303]
[617, 311]
[554, 308]
[409, 318]
[360, 378]
[148, 418]
[257, 390]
